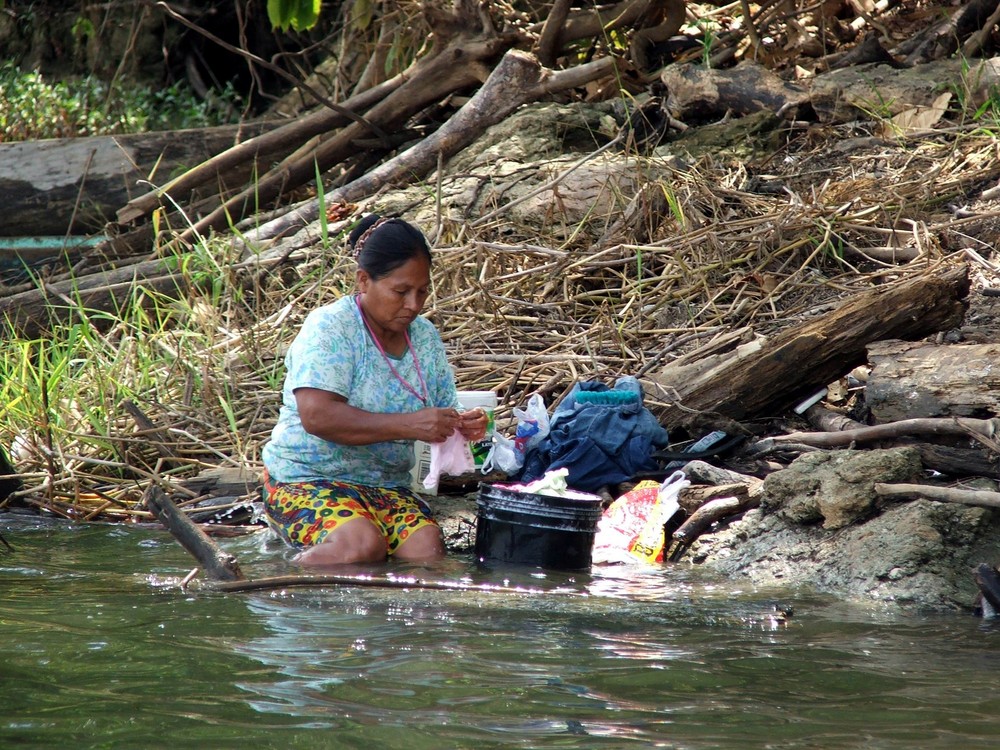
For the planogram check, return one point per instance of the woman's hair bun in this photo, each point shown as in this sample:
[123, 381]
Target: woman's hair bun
[362, 231]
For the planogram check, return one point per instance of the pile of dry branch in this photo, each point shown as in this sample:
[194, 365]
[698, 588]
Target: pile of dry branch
[747, 283]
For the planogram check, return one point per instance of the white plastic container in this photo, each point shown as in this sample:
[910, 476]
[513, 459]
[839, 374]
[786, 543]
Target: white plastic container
[487, 401]
[468, 400]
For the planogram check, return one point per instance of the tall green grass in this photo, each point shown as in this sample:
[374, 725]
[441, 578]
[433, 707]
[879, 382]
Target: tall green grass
[201, 361]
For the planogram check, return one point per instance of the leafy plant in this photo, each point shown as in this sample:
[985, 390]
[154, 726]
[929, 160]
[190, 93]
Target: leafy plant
[299, 15]
[37, 108]
[981, 104]
[707, 28]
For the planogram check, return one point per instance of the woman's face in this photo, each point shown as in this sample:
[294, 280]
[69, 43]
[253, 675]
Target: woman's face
[393, 301]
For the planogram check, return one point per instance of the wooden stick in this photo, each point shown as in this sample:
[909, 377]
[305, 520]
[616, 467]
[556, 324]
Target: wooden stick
[980, 498]
[218, 564]
[280, 582]
[902, 428]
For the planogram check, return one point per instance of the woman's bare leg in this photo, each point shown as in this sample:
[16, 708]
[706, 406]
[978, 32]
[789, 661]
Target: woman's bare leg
[423, 545]
[357, 541]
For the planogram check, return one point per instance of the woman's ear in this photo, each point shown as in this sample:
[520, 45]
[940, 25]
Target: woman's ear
[362, 279]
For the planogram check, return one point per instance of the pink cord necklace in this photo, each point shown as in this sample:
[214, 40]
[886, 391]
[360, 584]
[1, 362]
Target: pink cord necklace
[425, 398]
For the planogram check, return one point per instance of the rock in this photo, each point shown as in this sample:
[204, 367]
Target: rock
[540, 162]
[701, 94]
[920, 553]
[836, 487]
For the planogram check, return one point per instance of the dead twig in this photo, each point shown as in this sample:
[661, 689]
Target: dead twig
[902, 428]
[980, 498]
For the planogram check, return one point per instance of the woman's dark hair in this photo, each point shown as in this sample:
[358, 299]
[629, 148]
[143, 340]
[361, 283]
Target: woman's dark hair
[383, 245]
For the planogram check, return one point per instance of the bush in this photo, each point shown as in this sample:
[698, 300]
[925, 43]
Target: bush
[35, 108]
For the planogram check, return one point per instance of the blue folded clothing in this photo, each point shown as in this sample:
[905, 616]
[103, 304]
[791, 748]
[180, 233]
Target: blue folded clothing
[600, 435]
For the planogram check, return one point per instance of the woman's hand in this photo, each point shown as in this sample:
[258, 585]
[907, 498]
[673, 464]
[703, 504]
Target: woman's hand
[435, 425]
[472, 424]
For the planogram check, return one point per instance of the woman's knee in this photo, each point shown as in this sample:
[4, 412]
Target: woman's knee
[426, 543]
[358, 541]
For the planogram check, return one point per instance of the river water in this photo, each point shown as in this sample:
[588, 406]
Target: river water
[102, 648]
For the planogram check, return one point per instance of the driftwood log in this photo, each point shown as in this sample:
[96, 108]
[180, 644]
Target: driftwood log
[66, 186]
[909, 380]
[771, 376]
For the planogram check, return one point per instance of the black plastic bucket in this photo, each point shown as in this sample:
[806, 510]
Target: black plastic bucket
[541, 530]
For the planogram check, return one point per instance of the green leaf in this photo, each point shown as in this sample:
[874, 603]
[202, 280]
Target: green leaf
[295, 14]
[278, 12]
[363, 13]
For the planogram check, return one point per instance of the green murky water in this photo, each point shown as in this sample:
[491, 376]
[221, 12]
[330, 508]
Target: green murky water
[101, 648]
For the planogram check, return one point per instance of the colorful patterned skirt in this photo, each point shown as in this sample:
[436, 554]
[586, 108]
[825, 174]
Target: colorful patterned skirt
[303, 513]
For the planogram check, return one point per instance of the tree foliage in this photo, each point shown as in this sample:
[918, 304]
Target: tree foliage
[299, 15]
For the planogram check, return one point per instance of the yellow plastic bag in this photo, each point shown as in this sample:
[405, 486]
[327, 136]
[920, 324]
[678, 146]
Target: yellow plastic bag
[631, 528]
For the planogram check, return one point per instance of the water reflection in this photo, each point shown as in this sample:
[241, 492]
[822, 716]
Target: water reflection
[103, 649]
[590, 647]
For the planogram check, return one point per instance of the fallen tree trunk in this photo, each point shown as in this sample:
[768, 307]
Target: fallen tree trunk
[771, 376]
[517, 79]
[63, 186]
[909, 380]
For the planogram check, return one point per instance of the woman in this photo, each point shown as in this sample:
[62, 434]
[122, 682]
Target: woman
[366, 376]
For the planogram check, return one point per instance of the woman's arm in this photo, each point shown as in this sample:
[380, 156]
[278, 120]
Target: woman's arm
[327, 415]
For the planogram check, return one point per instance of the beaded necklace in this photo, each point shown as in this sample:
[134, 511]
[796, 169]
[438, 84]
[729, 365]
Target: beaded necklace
[425, 398]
